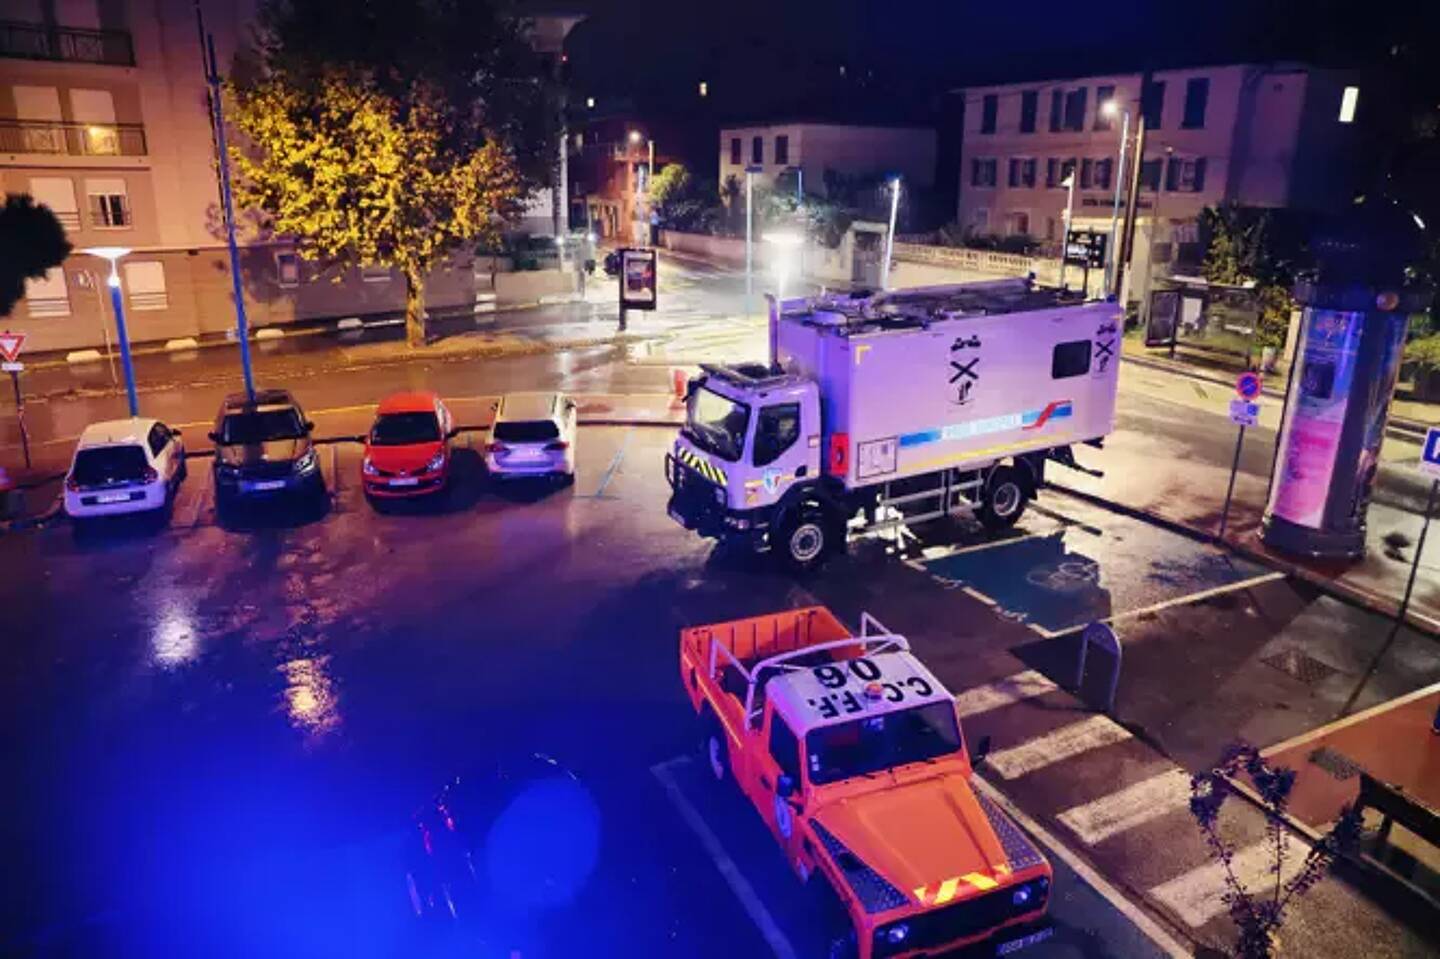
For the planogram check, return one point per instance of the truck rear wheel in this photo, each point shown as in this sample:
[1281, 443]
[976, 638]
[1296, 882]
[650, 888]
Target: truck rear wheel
[1004, 499]
[805, 538]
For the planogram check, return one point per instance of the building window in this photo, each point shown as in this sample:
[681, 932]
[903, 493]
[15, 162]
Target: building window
[1052, 172]
[58, 193]
[1070, 359]
[48, 296]
[1150, 175]
[375, 273]
[1075, 109]
[782, 150]
[1185, 175]
[989, 112]
[1019, 223]
[1087, 174]
[735, 158]
[1104, 95]
[1067, 170]
[145, 284]
[1349, 99]
[1197, 95]
[1013, 180]
[982, 172]
[980, 219]
[95, 111]
[757, 150]
[109, 204]
[1029, 107]
[287, 270]
[1028, 167]
[1103, 171]
[1057, 109]
[1152, 104]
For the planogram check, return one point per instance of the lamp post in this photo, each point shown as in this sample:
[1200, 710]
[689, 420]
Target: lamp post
[786, 244]
[1109, 108]
[1069, 186]
[890, 235]
[750, 172]
[635, 137]
[113, 254]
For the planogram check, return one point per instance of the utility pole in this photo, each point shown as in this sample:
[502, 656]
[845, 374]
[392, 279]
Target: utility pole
[1069, 218]
[217, 122]
[1133, 202]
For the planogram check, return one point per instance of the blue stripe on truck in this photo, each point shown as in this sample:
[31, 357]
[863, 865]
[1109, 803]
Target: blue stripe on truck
[1030, 419]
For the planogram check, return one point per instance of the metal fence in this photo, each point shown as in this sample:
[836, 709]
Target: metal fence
[72, 139]
[39, 41]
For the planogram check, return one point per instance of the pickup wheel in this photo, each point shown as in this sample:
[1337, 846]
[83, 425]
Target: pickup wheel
[714, 749]
[806, 537]
[1004, 499]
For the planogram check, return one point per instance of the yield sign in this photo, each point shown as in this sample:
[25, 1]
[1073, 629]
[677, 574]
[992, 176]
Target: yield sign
[10, 344]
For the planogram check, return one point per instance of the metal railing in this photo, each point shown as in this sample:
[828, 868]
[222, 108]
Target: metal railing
[39, 41]
[72, 139]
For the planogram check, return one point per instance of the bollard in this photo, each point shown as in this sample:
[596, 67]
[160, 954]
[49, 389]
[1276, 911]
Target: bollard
[679, 382]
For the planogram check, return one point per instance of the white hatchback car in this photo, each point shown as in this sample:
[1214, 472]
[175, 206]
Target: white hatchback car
[124, 466]
[533, 435]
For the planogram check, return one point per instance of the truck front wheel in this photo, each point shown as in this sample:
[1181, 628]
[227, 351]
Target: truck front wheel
[805, 538]
[1004, 499]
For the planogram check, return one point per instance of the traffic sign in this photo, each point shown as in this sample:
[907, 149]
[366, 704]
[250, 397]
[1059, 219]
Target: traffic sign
[12, 367]
[1430, 454]
[1247, 385]
[1246, 413]
[10, 344]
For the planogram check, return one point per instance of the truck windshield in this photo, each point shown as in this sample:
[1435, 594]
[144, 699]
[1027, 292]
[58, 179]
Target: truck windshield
[880, 742]
[717, 424]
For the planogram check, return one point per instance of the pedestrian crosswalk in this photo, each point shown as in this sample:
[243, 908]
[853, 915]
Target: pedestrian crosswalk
[1068, 755]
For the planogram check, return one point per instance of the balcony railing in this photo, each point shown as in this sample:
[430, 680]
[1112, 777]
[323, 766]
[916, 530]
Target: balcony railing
[72, 139]
[39, 41]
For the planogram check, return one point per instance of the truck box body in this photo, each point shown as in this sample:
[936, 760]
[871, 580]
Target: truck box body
[1011, 371]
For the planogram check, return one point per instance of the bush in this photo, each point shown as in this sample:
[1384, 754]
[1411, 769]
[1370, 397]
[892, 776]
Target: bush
[1424, 352]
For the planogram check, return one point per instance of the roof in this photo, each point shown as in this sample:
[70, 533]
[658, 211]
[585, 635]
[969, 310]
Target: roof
[415, 401]
[116, 432]
[273, 397]
[808, 701]
[528, 406]
[1043, 78]
[847, 314]
[878, 124]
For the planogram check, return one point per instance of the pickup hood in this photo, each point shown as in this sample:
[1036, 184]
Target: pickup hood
[929, 838]
[256, 454]
[403, 459]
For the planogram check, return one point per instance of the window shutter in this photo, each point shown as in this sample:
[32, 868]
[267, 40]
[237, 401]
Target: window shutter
[1199, 175]
[1172, 174]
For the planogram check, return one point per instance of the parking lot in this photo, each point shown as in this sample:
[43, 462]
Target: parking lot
[227, 726]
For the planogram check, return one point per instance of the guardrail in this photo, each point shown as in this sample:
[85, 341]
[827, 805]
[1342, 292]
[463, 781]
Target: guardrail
[39, 41]
[56, 137]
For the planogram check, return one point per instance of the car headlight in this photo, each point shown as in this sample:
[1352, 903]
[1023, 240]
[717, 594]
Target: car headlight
[436, 462]
[368, 468]
[306, 463]
[898, 933]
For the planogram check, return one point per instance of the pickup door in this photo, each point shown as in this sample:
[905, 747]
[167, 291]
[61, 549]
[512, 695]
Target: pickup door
[775, 761]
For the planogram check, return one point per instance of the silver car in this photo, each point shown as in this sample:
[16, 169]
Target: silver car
[533, 435]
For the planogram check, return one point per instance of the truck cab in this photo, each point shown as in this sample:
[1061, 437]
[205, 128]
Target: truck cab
[852, 753]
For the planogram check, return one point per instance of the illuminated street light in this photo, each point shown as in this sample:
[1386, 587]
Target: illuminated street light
[113, 255]
[785, 244]
[704, 89]
[1111, 108]
[590, 103]
[1069, 184]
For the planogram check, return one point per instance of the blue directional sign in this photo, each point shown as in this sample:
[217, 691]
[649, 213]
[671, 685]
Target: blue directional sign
[1430, 454]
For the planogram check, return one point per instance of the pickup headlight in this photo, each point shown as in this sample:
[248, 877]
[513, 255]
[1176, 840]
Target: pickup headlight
[307, 462]
[436, 462]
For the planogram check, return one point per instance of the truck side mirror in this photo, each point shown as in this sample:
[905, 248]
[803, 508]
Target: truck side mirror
[981, 750]
[785, 786]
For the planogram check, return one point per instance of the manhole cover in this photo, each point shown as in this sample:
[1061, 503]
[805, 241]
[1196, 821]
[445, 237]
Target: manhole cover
[1302, 666]
[1338, 765]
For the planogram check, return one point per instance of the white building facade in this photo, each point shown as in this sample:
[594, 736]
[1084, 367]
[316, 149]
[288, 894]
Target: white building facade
[1261, 135]
[813, 148]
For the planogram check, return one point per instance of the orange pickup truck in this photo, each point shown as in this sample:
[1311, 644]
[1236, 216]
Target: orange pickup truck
[851, 750]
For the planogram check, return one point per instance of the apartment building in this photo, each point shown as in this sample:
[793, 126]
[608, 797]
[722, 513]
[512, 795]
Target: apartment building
[815, 147]
[1274, 135]
[610, 173]
[104, 118]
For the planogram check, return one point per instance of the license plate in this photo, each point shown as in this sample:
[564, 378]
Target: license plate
[405, 481]
[1015, 945]
[113, 498]
[265, 485]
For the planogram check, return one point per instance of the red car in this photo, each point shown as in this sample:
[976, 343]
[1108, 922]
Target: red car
[407, 451]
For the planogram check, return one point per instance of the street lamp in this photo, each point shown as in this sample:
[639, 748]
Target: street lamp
[1069, 184]
[890, 236]
[1110, 108]
[785, 245]
[750, 172]
[113, 255]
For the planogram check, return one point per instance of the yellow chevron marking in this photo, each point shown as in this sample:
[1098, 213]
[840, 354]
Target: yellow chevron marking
[980, 881]
[947, 891]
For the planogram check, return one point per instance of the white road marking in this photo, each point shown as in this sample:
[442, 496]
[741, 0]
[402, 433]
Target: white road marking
[1166, 604]
[1132, 806]
[1165, 942]
[1198, 895]
[739, 885]
[1002, 692]
[1060, 744]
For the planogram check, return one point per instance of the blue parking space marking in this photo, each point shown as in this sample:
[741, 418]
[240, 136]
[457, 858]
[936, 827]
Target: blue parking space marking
[1065, 580]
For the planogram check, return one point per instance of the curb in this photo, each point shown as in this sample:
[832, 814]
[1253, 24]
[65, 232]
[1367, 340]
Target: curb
[1351, 595]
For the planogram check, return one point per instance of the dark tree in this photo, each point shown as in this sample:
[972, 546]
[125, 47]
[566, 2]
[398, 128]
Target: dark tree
[31, 242]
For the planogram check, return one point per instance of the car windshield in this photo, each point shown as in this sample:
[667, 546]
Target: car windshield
[717, 424]
[881, 742]
[526, 431]
[403, 429]
[262, 426]
[109, 464]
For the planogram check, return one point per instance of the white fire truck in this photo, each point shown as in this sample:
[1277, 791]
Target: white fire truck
[894, 408]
